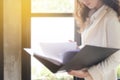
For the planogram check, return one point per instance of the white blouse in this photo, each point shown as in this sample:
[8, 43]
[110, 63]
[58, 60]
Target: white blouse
[104, 30]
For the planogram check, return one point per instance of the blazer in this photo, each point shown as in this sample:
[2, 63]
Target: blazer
[104, 30]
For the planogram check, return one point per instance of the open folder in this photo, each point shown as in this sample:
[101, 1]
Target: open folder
[73, 59]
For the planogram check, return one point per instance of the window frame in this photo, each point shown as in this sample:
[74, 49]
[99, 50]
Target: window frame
[25, 58]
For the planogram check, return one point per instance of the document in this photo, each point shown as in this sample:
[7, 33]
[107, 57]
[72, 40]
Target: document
[55, 52]
[67, 56]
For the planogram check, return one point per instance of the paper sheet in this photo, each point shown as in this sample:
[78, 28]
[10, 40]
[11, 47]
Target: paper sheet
[55, 51]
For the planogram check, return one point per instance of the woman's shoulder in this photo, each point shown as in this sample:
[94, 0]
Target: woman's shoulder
[111, 19]
[111, 14]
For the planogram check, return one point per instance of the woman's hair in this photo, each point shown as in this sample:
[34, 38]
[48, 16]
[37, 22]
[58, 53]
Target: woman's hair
[80, 14]
[81, 11]
[114, 4]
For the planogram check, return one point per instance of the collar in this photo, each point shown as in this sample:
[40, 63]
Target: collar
[98, 12]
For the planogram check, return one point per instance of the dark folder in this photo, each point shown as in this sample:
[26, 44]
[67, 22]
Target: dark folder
[76, 60]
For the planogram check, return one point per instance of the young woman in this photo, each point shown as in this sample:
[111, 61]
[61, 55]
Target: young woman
[100, 26]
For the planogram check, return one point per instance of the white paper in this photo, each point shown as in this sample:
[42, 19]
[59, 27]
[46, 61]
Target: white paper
[53, 51]
[29, 51]
[58, 50]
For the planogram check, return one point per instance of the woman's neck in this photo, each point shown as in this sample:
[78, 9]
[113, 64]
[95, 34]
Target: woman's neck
[98, 6]
[92, 11]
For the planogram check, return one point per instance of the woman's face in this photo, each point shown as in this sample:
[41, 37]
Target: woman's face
[92, 4]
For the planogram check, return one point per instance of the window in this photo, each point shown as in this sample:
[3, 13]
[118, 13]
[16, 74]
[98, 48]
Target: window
[52, 6]
[51, 21]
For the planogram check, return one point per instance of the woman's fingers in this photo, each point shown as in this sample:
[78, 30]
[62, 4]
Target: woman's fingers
[79, 73]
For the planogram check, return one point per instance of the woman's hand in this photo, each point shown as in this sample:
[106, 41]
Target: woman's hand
[80, 73]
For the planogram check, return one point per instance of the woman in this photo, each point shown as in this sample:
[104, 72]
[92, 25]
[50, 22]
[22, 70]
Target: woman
[100, 26]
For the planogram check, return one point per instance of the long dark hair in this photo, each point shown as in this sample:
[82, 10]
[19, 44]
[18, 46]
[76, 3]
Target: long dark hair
[81, 11]
[114, 4]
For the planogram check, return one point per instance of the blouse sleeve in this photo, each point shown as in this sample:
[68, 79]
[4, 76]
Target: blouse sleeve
[113, 40]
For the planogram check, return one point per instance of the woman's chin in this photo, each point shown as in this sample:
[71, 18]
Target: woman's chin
[90, 7]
